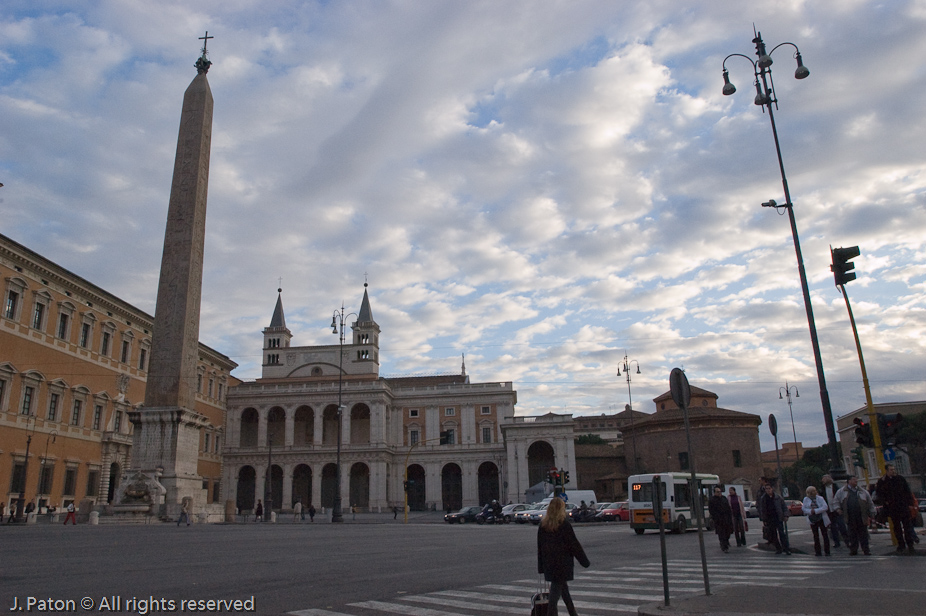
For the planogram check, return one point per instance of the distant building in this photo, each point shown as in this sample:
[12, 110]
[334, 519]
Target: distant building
[845, 426]
[73, 363]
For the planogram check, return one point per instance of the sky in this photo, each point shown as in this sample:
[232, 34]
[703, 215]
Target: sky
[543, 186]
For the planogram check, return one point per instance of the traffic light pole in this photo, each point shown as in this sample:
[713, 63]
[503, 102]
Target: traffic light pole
[872, 416]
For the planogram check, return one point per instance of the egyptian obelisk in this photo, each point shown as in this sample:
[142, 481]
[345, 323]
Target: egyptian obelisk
[165, 442]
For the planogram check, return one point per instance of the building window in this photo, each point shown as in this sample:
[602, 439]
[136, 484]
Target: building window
[63, 322]
[451, 436]
[84, 335]
[28, 393]
[18, 478]
[212, 383]
[208, 442]
[486, 410]
[413, 412]
[53, 401]
[413, 437]
[199, 382]
[737, 458]
[450, 411]
[217, 439]
[221, 390]
[70, 481]
[46, 477]
[126, 347]
[12, 302]
[216, 491]
[97, 416]
[683, 460]
[75, 414]
[38, 316]
[2, 392]
[104, 345]
[93, 483]
[142, 358]
[487, 434]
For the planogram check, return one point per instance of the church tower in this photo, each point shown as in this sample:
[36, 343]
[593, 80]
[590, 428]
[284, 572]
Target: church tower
[366, 332]
[277, 336]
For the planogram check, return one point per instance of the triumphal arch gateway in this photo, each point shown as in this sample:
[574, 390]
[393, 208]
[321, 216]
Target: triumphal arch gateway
[438, 441]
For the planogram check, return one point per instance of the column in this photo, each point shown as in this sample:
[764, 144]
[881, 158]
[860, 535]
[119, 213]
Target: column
[431, 422]
[345, 425]
[318, 417]
[259, 484]
[262, 426]
[287, 503]
[288, 431]
[316, 486]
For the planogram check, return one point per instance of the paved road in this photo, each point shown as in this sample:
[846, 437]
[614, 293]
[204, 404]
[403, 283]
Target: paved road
[371, 569]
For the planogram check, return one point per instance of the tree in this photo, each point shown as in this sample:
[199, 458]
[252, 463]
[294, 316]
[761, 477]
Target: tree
[590, 439]
[808, 471]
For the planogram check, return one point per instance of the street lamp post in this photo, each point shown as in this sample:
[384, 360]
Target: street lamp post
[268, 481]
[52, 436]
[633, 433]
[787, 392]
[337, 327]
[765, 98]
[21, 501]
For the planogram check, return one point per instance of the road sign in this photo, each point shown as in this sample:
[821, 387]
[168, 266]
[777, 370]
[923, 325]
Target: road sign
[889, 454]
[565, 497]
[679, 387]
[773, 425]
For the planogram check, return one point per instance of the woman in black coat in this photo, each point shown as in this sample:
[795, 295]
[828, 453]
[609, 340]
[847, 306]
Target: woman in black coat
[557, 546]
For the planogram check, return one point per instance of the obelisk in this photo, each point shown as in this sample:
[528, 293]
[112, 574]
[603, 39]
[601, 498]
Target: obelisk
[165, 442]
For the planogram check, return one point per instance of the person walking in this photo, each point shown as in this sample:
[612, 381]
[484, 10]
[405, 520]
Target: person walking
[557, 546]
[259, 511]
[311, 512]
[722, 516]
[395, 512]
[72, 514]
[739, 517]
[815, 509]
[895, 492]
[855, 505]
[774, 513]
[297, 511]
[837, 522]
[184, 513]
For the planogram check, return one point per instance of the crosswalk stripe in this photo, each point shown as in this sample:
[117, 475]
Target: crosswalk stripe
[468, 605]
[607, 607]
[403, 609]
[577, 590]
[315, 612]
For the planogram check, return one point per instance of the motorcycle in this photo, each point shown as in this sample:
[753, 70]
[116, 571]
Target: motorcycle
[489, 516]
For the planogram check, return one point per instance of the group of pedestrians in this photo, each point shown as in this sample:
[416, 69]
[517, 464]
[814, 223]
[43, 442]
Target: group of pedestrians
[841, 513]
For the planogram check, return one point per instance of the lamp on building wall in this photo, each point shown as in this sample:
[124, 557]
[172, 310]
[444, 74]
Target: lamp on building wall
[787, 393]
[766, 98]
[337, 328]
[633, 433]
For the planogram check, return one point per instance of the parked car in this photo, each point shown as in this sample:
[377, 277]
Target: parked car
[615, 511]
[536, 514]
[509, 511]
[795, 507]
[466, 514]
[751, 510]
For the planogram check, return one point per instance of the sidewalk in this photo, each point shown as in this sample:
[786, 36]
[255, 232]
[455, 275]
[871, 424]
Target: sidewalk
[734, 600]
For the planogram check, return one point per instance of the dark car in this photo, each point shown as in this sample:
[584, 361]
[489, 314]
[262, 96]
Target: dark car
[464, 515]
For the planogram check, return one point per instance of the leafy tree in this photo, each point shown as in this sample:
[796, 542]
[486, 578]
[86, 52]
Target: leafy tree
[590, 439]
[808, 471]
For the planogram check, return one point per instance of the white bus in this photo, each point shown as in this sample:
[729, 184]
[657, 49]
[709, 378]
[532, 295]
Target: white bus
[677, 513]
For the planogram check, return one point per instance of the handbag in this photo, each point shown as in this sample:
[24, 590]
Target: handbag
[746, 525]
[540, 600]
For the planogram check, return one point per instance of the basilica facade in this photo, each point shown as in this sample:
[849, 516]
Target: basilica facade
[431, 442]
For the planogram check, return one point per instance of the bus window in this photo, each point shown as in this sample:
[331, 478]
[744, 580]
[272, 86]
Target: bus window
[682, 495]
[643, 492]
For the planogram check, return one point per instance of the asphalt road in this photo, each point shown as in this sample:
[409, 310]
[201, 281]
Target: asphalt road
[311, 567]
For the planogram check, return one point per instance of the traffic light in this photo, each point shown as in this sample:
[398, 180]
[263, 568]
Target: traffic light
[863, 435]
[405, 483]
[888, 425]
[444, 437]
[565, 477]
[842, 266]
[857, 458]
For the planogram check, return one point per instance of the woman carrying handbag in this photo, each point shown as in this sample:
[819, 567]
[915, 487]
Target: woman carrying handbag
[557, 546]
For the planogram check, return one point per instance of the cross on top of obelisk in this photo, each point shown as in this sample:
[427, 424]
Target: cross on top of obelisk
[202, 64]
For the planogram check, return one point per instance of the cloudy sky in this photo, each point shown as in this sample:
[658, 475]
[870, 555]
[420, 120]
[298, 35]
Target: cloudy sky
[543, 186]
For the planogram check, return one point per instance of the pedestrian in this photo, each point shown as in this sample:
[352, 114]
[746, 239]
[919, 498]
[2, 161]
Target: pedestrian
[184, 513]
[311, 512]
[395, 512]
[855, 505]
[815, 509]
[557, 546]
[774, 514]
[837, 523]
[297, 511]
[30, 507]
[739, 517]
[259, 511]
[353, 511]
[895, 493]
[760, 504]
[722, 516]
[2, 508]
[72, 514]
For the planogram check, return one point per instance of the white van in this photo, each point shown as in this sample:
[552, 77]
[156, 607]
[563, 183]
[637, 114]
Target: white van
[575, 496]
